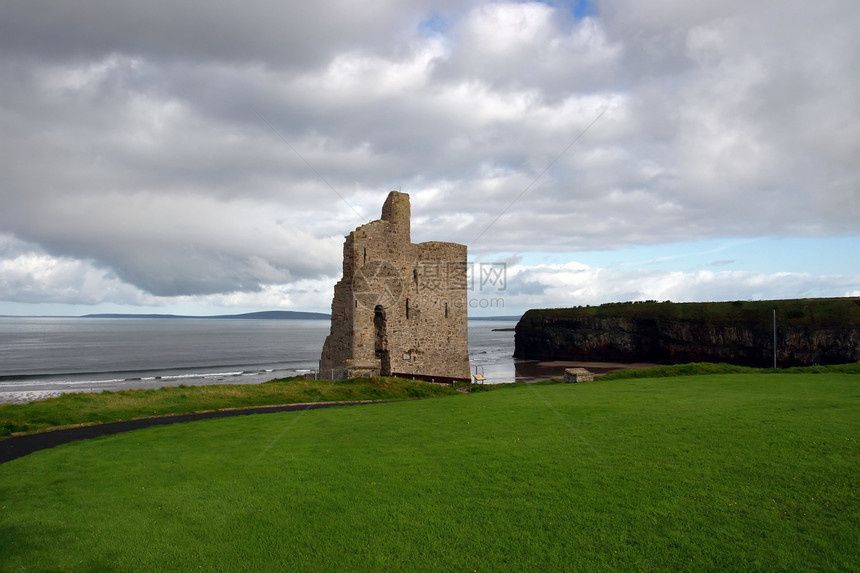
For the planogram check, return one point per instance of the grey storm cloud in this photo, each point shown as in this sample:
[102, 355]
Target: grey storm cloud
[289, 34]
[169, 144]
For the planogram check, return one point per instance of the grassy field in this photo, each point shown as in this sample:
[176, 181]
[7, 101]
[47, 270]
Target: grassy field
[737, 472]
[792, 313]
[89, 408]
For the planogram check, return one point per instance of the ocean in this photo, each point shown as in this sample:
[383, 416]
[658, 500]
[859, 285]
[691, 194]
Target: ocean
[42, 357]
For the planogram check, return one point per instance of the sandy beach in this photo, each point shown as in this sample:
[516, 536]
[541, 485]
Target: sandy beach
[24, 396]
[528, 371]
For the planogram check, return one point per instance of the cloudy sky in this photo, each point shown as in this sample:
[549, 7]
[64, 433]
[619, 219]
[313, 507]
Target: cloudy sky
[209, 157]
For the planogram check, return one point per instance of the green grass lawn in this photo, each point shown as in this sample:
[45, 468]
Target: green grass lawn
[718, 472]
[92, 408]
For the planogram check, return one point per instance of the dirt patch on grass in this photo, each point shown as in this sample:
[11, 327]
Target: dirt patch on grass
[527, 371]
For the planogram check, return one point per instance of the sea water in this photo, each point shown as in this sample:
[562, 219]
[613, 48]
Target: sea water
[41, 357]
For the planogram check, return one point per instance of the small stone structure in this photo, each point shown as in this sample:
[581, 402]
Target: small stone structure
[400, 308]
[578, 375]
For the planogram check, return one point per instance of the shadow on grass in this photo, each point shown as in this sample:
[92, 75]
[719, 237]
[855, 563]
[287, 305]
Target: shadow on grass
[19, 542]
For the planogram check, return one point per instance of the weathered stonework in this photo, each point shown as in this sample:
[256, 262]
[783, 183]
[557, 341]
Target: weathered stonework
[401, 307]
[575, 375]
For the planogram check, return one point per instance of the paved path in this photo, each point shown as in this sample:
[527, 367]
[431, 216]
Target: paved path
[18, 446]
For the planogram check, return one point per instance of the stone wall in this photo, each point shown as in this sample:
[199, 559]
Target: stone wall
[400, 307]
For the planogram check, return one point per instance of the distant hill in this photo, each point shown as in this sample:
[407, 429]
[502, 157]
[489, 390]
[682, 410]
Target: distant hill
[264, 315]
[267, 315]
[278, 315]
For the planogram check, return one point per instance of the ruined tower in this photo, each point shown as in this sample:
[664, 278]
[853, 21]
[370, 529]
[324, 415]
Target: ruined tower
[400, 308]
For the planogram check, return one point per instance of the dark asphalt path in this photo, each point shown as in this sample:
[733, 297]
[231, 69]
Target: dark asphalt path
[18, 446]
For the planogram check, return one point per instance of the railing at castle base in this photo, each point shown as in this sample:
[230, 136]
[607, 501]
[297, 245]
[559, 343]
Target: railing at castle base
[328, 374]
[429, 378]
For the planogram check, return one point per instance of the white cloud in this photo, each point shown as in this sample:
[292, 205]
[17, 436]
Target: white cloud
[30, 276]
[531, 44]
[573, 284]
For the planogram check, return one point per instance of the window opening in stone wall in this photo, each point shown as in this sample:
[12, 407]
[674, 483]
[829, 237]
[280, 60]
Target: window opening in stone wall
[407, 308]
[365, 255]
[446, 309]
[415, 276]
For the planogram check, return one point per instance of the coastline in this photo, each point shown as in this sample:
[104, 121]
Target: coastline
[529, 371]
[41, 358]
[29, 391]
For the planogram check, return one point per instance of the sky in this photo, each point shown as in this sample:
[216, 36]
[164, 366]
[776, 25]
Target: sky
[209, 158]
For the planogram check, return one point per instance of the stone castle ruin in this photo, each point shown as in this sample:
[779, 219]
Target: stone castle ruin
[400, 308]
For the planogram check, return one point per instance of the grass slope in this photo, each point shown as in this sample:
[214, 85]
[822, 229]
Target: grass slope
[716, 472]
[790, 313]
[699, 368]
[89, 408]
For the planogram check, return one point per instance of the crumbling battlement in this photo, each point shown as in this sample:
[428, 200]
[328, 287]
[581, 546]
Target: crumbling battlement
[401, 307]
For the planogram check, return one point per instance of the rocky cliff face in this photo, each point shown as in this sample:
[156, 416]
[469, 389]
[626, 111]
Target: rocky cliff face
[807, 333]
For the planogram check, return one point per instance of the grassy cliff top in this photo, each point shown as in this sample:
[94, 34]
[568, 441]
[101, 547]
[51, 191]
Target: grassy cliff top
[817, 312]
